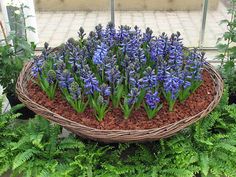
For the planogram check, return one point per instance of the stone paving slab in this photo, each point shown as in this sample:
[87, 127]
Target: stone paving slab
[57, 27]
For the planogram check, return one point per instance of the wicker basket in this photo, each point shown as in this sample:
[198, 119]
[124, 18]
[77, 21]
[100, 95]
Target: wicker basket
[115, 135]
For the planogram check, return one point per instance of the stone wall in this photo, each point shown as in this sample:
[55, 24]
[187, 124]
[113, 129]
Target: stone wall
[185, 5]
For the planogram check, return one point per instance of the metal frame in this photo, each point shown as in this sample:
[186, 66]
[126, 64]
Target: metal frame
[112, 3]
[203, 26]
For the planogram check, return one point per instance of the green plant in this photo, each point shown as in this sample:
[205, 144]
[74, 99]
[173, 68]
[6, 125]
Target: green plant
[41, 152]
[7, 135]
[101, 107]
[126, 108]
[47, 80]
[227, 49]
[76, 100]
[117, 96]
[15, 51]
[151, 113]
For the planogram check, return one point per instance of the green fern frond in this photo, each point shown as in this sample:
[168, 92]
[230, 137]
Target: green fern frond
[62, 170]
[225, 98]
[118, 169]
[44, 173]
[22, 157]
[36, 140]
[204, 163]
[231, 109]
[177, 172]
[4, 168]
[70, 143]
[176, 140]
[21, 142]
[226, 147]
[28, 172]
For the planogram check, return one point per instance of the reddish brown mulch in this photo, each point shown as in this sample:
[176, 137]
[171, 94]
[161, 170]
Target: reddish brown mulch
[197, 102]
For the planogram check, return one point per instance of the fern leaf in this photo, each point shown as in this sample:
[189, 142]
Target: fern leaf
[204, 163]
[70, 143]
[178, 172]
[231, 110]
[29, 172]
[226, 147]
[36, 140]
[21, 142]
[154, 171]
[44, 173]
[22, 158]
[119, 169]
[4, 168]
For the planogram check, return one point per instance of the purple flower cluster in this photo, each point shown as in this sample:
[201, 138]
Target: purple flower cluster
[175, 51]
[100, 54]
[90, 84]
[125, 63]
[158, 47]
[65, 79]
[152, 99]
[133, 96]
[172, 85]
[38, 66]
[149, 80]
[105, 90]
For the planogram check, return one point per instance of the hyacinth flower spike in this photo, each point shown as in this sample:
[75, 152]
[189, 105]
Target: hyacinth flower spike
[191, 74]
[100, 54]
[114, 78]
[105, 90]
[197, 74]
[101, 107]
[81, 33]
[171, 90]
[186, 87]
[135, 83]
[65, 79]
[37, 67]
[100, 103]
[99, 57]
[75, 98]
[129, 102]
[185, 91]
[48, 83]
[91, 84]
[152, 104]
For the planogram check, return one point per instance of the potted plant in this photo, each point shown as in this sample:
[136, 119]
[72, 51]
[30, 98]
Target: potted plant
[122, 80]
[14, 52]
[227, 52]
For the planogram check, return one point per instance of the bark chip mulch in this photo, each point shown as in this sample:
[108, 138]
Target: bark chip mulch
[197, 102]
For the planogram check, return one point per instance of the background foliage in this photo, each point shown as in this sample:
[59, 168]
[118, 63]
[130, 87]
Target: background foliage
[15, 51]
[227, 48]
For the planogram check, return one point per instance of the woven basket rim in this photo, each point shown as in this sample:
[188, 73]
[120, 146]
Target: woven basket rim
[25, 76]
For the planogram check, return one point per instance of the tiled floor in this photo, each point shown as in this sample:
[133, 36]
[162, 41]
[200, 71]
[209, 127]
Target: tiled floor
[56, 27]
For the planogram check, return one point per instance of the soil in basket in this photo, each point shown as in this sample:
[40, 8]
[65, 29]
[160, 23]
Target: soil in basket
[197, 102]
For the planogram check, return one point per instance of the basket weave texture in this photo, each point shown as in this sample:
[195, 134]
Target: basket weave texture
[111, 136]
